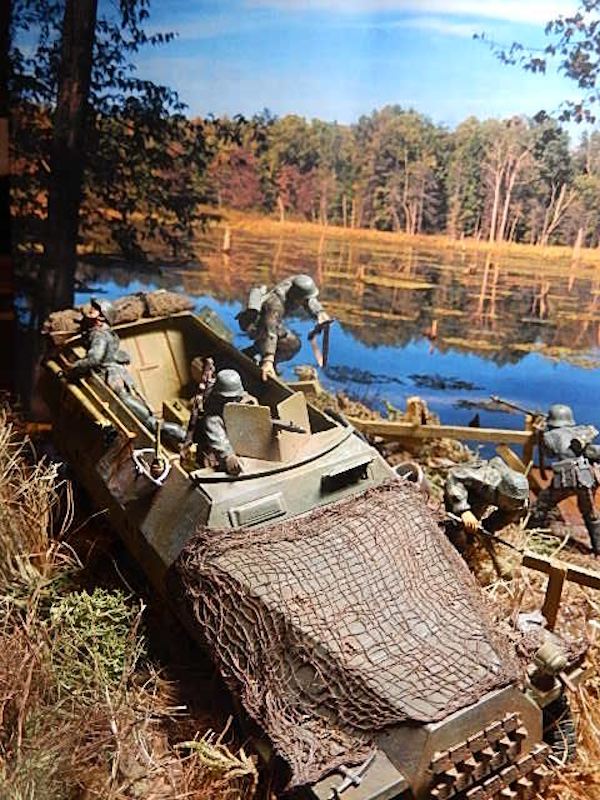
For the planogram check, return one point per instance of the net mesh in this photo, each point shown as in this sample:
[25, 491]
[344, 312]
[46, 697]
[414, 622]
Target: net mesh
[333, 625]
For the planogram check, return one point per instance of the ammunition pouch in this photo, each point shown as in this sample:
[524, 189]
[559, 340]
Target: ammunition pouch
[573, 473]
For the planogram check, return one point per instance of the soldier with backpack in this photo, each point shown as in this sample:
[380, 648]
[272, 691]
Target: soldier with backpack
[263, 320]
[569, 449]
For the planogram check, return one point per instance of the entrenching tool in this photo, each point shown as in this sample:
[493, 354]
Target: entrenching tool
[321, 356]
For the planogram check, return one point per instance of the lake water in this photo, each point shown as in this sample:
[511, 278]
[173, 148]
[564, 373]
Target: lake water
[449, 325]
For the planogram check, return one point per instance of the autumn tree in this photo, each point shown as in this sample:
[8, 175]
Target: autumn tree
[84, 124]
[574, 48]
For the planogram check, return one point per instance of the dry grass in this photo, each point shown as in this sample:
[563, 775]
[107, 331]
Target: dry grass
[83, 711]
[262, 225]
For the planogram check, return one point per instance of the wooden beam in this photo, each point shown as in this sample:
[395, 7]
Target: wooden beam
[580, 575]
[406, 430]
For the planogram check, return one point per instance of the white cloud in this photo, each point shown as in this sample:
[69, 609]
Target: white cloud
[535, 12]
[433, 24]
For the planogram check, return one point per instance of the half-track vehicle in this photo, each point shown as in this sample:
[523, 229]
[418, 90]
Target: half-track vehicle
[346, 625]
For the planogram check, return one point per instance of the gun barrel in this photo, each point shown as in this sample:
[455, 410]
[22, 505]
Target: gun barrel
[522, 409]
[281, 425]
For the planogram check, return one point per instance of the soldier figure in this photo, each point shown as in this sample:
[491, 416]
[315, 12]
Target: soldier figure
[105, 358]
[263, 319]
[569, 449]
[213, 446]
[470, 490]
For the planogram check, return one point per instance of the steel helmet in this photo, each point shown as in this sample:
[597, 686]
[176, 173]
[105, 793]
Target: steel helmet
[228, 384]
[514, 485]
[105, 309]
[560, 416]
[304, 287]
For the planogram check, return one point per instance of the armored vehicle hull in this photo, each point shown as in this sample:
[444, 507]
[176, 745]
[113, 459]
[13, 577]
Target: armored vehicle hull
[332, 604]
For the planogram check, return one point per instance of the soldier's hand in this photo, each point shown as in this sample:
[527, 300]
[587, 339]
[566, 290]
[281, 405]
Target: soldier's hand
[233, 465]
[470, 522]
[267, 370]
[322, 317]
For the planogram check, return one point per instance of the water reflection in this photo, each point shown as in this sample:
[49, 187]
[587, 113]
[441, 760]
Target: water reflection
[526, 329]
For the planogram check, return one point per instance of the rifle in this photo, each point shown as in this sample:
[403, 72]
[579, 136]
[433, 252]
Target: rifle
[537, 416]
[206, 381]
[516, 407]
[488, 534]
[487, 537]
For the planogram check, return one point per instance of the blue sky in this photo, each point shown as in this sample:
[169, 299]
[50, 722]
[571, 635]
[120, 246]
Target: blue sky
[338, 59]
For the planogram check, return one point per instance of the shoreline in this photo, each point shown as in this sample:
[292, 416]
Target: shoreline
[267, 225]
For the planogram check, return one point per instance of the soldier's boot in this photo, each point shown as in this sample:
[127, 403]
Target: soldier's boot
[593, 528]
[173, 431]
[170, 430]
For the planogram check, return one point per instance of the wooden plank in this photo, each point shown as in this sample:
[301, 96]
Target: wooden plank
[556, 580]
[580, 575]
[406, 430]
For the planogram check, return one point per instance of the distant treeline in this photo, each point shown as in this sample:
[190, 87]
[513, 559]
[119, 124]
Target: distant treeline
[498, 180]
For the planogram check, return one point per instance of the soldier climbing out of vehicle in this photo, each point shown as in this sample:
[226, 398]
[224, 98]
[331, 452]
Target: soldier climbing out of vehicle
[472, 489]
[208, 432]
[568, 448]
[263, 321]
[105, 358]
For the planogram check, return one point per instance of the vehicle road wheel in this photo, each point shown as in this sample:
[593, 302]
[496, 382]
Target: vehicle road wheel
[559, 729]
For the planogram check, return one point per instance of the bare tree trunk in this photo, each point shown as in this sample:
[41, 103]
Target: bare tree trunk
[496, 203]
[344, 210]
[281, 208]
[554, 215]
[68, 157]
[7, 314]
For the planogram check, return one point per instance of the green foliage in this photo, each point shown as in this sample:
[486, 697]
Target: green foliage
[575, 46]
[93, 641]
[141, 150]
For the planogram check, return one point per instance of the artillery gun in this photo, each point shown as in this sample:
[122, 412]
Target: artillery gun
[341, 618]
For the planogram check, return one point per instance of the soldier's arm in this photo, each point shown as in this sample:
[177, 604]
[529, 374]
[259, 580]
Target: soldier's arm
[93, 358]
[267, 341]
[316, 310]
[592, 452]
[216, 437]
[456, 494]
[219, 443]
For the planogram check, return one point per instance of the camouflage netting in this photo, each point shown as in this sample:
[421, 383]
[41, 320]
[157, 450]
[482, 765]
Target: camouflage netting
[333, 625]
[128, 308]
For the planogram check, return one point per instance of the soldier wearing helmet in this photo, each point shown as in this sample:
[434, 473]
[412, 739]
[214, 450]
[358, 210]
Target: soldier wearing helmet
[105, 358]
[471, 490]
[264, 315]
[213, 446]
[569, 449]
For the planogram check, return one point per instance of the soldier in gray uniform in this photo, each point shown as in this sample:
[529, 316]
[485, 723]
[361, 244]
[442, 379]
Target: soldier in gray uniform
[569, 449]
[470, 490]
[105, 357]
[264, 315]
[213, 446]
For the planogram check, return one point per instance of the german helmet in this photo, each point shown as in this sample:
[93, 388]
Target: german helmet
[560, 416]
[228, 384]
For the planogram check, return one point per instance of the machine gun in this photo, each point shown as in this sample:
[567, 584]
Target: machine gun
[280, 425]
